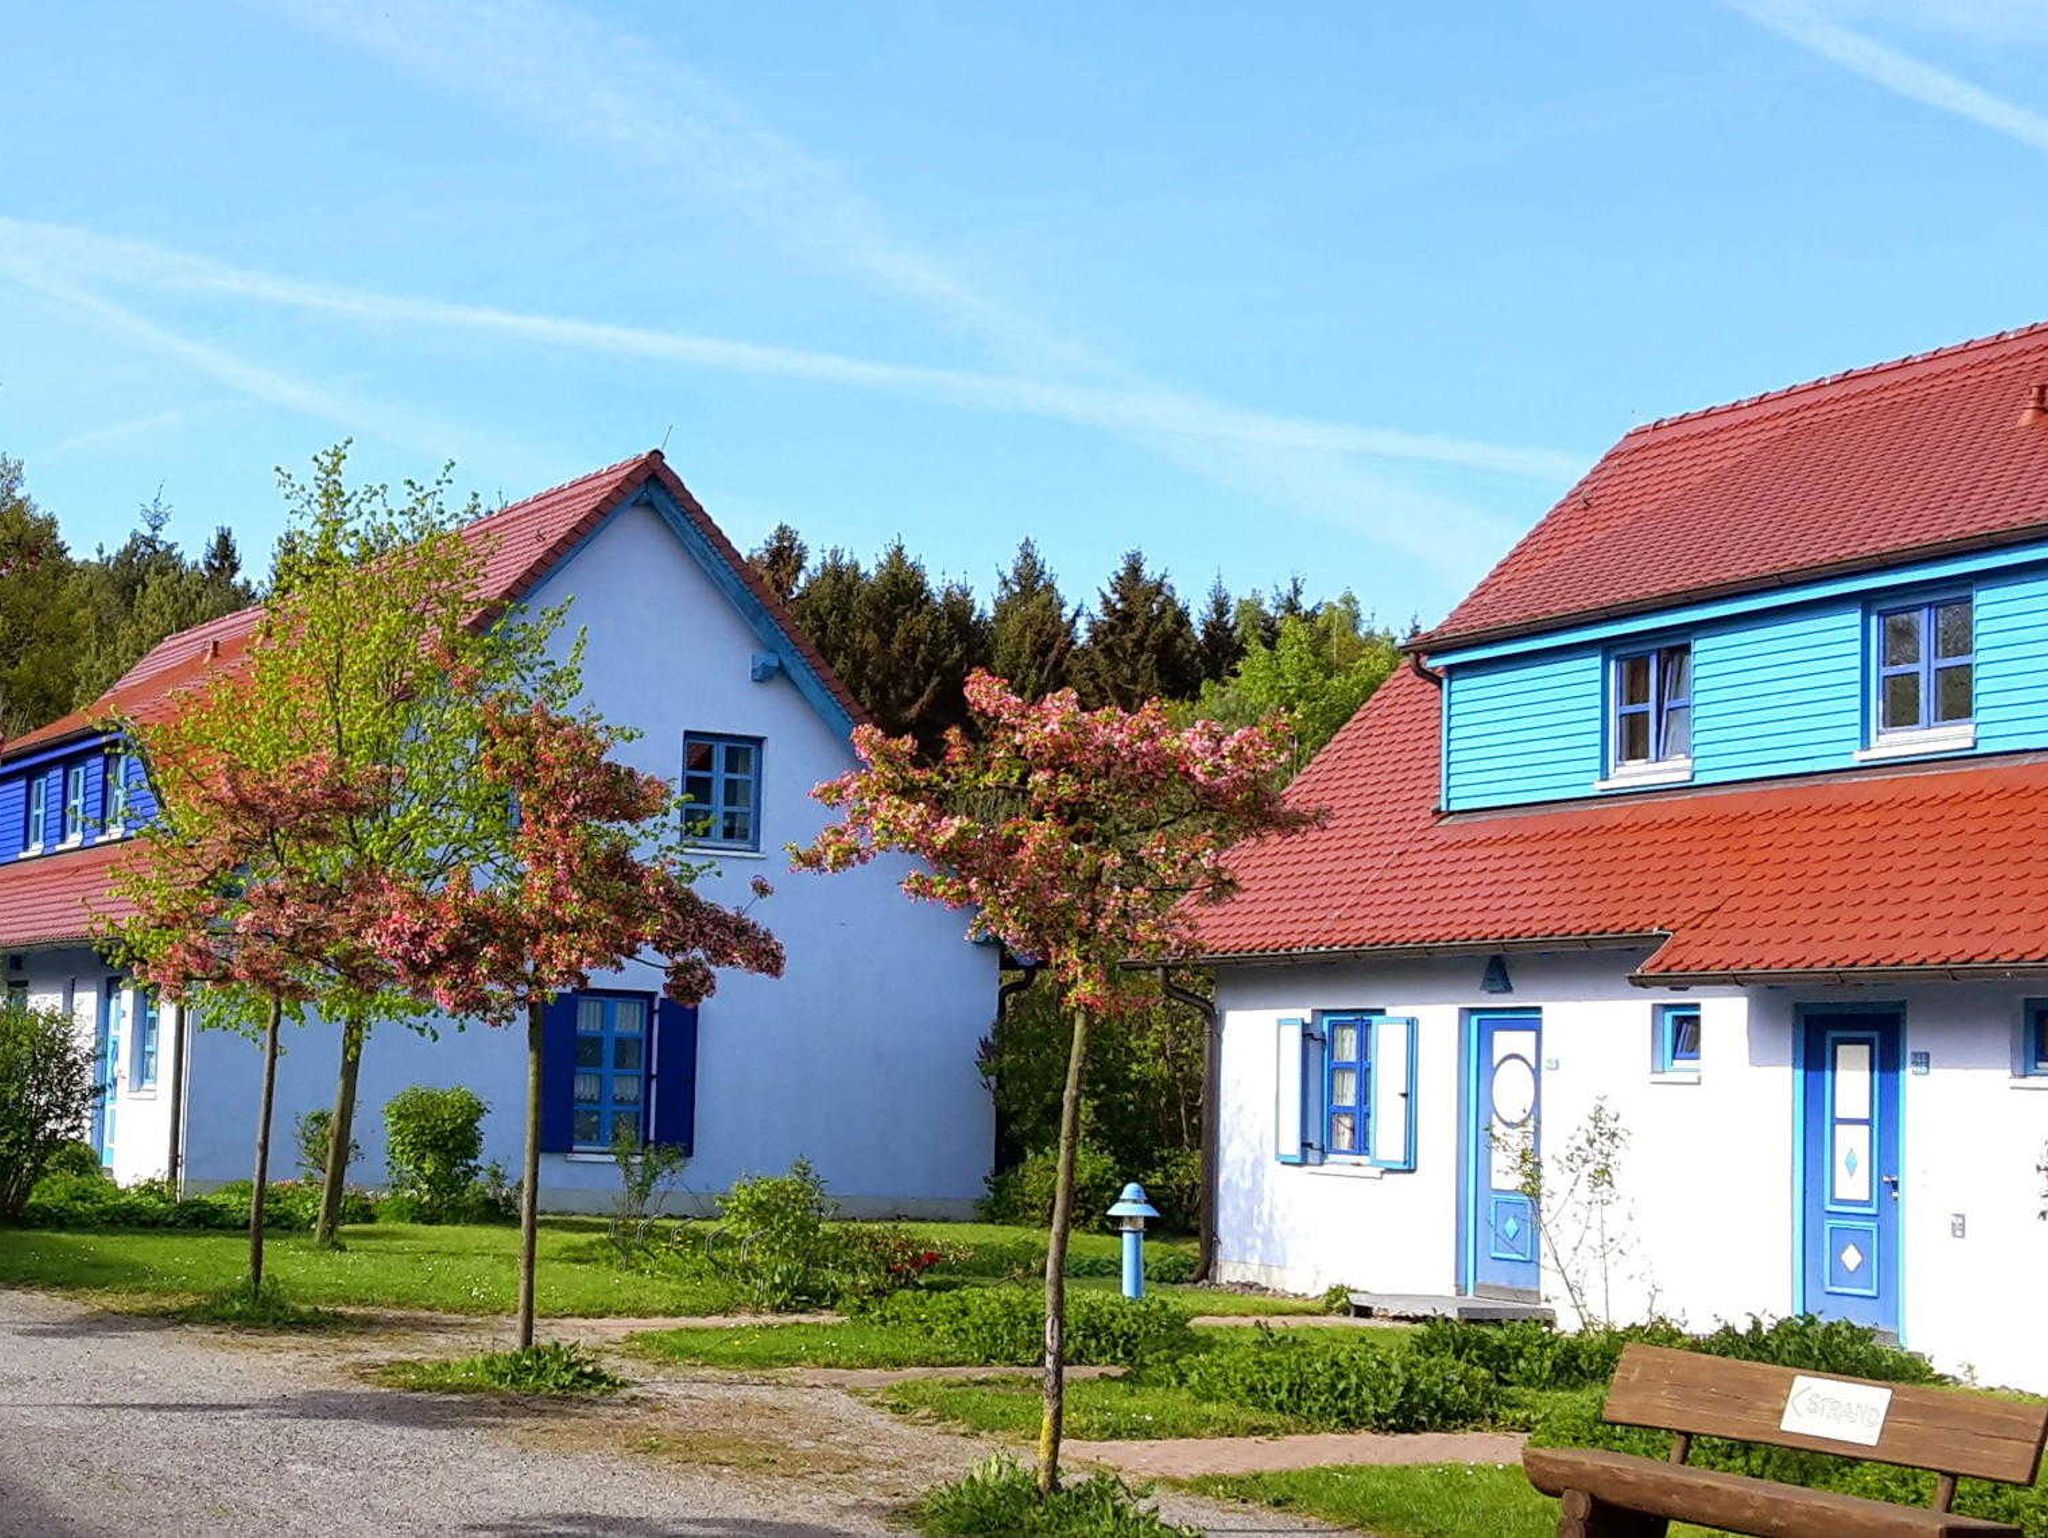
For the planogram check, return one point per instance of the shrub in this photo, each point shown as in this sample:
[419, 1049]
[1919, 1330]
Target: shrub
[774, 1226]
[873, 1260]
[93, 1202]
[1341, 1385]
[311, 1133]
[433, 1140]
[647, 1171]
[76, 1158]
[244, 1307]
[555, 1369]
[1526, 1353]
[1005, 1326]
[1819, 1345]
[46, 1093]
[1024, 1194]
[998, 1499]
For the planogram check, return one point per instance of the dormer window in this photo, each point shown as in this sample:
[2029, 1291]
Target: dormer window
[1650, 722]
[74, 804]
[38, 814]
[1924, 688]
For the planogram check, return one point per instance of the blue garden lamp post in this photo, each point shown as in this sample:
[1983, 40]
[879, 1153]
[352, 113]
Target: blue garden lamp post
[1131, 1211]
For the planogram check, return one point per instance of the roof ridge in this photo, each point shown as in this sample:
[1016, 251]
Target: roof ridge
[619, 470]
[1840, 376]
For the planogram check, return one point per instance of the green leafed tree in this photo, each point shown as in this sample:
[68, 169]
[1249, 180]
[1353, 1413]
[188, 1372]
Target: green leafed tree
[38, 610]
[1320, 667]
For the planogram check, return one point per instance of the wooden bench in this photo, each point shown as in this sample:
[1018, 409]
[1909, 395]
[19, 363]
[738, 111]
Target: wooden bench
[1614, 1495]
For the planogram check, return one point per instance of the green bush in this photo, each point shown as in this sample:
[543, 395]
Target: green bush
[774, 1230]
[1526, 1353]
[433, 1139]
[94, 1202]
[555, 1369]
[311, 1134]
[1024, 1194]
[76, 1158]
[1000, 1500]
[1341, 1384]
[1005, 1326]
[1819, 1345]
[47, 1090]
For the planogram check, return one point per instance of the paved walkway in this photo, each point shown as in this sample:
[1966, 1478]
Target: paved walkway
[1186, 1457]
[111, 1426]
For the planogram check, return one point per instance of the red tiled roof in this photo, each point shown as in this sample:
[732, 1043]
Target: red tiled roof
[1912, 457]
[50, 899]
[53, 900]
[1868, 871]
[521, 542]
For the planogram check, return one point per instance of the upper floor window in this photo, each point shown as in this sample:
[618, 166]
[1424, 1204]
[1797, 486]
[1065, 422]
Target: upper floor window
[1926, 656]
[114, 819]
[722, 790]
[74, 803]
[1653, 705]
[2033, 1053]
[38, 813]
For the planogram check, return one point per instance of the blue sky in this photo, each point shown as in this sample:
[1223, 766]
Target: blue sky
[1350, 291]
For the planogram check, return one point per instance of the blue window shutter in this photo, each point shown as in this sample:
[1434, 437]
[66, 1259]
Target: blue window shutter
[1391, 1121]
[1290, 1092]
[557, 1074]
[672, 1101]
[1315, 1086]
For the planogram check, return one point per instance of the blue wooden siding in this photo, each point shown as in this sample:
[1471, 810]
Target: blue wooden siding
[1527, 730]
[51, 769]
[1783, 690]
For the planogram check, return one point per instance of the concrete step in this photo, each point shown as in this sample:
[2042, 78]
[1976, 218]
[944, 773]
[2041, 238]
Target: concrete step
[1416, 1305]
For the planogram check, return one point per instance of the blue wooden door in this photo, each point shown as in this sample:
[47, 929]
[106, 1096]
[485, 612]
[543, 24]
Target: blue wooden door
[111, 1031]
[1503, 1101]
[1849, 1144]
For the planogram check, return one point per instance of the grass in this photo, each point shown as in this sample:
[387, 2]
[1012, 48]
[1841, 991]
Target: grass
[1098, 1409]
[855, 1343]
[554, 1370]
[1432, 1500]
[242, 1307]
[453, 1269]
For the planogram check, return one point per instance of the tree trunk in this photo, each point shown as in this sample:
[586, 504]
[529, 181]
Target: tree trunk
[261, 1187]
[340, 1133]
[529, 1186]
[1052, 1424]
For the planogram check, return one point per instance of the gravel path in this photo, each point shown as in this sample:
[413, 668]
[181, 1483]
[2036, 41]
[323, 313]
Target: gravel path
[114, 1426]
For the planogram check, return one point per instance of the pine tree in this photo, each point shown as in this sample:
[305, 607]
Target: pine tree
[1032, 632]
[38, 618]
[1141, 643]
[1217, 641]
[780, 561]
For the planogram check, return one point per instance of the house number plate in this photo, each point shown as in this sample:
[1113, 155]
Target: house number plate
[1838, 1411]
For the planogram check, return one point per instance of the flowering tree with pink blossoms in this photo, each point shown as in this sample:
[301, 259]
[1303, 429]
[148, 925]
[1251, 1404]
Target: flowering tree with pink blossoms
[1082, 838]
[575, 892]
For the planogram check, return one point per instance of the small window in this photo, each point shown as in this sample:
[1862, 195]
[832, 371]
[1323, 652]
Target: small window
[1653, 705]
[144, 1056]
[610, 1087]
[74, 803]
[2033, 1054]
[17, 992]
[38, 813]
[722, 791]
[1926, 666]
[115, 816]
[1344, 1102]
[1678, 1038]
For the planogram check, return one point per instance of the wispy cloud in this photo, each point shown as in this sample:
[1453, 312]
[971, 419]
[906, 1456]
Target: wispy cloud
[1152, 410]
[1897, 71]
[132, 430]
[339, 408]
[575, 80]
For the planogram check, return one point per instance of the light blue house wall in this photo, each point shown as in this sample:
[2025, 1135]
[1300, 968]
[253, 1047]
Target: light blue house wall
[1781, 683]
[862, 1057]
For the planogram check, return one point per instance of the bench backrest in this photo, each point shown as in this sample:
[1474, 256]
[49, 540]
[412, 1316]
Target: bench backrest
[1924, 1428]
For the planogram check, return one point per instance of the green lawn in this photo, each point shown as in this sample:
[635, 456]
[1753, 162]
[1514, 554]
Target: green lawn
[1432, 1500]
[1098, 1409]
[854, 1343]
[454, 1269]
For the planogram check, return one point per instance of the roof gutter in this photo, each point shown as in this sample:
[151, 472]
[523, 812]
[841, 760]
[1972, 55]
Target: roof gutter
[1444, 640]
[1636, 941]
[1962, 972]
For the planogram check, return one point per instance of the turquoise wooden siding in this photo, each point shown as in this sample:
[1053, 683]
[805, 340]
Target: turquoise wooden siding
[1781, 691]
[1782, 695]
[14, 798]
[1527, 730]
[2012, 662]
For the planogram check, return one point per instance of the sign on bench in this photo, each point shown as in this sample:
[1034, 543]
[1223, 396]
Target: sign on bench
[1952, 1434]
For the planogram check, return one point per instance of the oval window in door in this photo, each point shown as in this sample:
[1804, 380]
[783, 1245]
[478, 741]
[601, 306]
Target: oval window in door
[1514, 1091]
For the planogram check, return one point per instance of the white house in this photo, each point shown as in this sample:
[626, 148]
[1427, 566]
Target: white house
[861, 1057]
[1720, 804]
